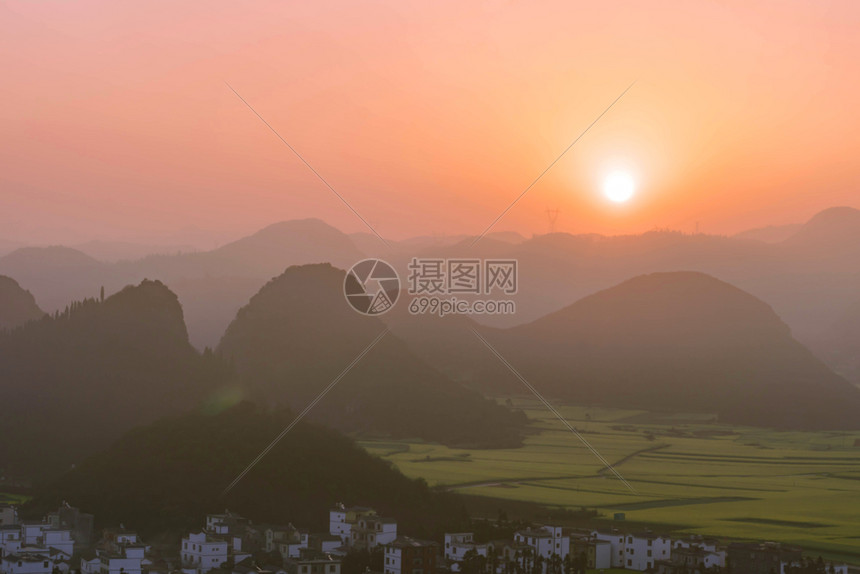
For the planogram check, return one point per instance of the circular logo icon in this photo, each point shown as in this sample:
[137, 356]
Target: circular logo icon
[371, 287]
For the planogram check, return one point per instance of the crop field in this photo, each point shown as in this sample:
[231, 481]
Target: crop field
[733, 482]
[13, 498]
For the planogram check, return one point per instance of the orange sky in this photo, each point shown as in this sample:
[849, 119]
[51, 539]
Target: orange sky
[429, 117]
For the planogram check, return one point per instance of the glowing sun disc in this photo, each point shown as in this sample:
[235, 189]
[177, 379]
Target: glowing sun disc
[618, 187]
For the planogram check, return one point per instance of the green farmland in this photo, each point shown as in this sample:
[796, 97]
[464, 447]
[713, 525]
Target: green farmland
[733, 482]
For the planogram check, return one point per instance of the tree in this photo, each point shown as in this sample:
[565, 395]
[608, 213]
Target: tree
[474, 563]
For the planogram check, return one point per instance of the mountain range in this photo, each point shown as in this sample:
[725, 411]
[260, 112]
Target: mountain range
[211, 285]
[708, 323]
[809, 274]
[73, 381]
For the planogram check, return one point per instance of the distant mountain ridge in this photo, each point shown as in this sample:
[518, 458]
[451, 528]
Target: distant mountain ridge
[771, 233]
[211, 285]
[115, 251]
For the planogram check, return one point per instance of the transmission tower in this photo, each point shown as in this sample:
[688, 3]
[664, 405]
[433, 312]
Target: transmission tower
[552, 216]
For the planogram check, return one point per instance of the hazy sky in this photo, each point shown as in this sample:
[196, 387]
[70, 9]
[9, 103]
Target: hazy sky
[429, 117]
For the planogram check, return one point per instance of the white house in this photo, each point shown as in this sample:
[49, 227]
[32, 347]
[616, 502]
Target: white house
[342, 519]
[635, 551]
[597, 552]
[458, 544]
[59, 539]
[120, 551]
[292, 545]
[90, 564]
[318, 565]
[31, 533]
[10, 539]
[36, 538]
[228, 523]
[616, 546]
[545, 541]
[202, 552]
[26, 563]
[642, 550]
[275, 535]
[370, 531]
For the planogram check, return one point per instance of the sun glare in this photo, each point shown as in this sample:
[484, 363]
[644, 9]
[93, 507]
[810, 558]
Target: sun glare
[618, 187]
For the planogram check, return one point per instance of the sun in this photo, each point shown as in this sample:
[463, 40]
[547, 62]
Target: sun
[618, 186]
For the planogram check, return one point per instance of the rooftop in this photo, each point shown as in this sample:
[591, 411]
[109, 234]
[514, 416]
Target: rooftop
[25, 557]
[407, 542]
[535, 532]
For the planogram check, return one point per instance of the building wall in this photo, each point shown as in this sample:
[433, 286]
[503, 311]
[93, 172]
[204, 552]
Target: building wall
[59, 539]
[17, 565]
[598, 553]
[202, 554]
[760, 559]
[114, 565]
[602, 556]
[8, 515]
[642, 552]
[545, 545]
[337, 524]
[410, 560]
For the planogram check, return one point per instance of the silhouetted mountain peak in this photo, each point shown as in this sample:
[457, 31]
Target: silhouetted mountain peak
[683, 307]
[839, 213]
[281, 229]
[17, 305]
[682, 341]
[149, 306]
[311, 292]
[298, 332]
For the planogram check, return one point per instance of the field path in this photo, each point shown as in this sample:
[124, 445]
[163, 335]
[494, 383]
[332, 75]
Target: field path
[521, 479]
[509, 481]
[622, 460]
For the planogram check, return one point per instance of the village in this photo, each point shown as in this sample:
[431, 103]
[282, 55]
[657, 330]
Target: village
[63, 542]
